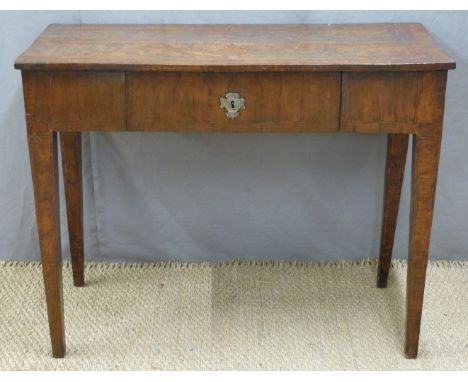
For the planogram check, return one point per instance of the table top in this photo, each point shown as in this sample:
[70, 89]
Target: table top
[273, 47]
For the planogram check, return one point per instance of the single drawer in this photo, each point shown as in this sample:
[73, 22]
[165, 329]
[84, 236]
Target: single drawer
[393, 102]
[269, 102]
[79, 101]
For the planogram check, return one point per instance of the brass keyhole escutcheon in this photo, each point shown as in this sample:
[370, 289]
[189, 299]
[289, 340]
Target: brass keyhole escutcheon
[232, 103]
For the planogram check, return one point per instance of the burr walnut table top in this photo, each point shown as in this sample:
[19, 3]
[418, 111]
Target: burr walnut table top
[343, 47]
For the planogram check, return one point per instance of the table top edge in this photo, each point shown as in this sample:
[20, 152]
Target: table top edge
[32, 59]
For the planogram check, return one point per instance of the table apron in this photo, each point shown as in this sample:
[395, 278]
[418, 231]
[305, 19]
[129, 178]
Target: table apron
[285, 102]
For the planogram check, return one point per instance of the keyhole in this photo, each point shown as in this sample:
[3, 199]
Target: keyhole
[232, 104]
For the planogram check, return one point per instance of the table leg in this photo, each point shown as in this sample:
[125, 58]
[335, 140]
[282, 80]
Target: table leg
[44, 169]
[397, 148]
[70, 145]
[426, 151]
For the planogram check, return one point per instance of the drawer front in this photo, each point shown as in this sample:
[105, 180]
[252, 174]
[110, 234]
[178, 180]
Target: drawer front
[391, 102]
[272, 102]
[80, 101]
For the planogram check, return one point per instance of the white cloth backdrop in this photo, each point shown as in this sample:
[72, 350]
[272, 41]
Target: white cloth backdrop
[200, 197]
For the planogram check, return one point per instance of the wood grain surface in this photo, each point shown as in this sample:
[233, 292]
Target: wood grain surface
[70, 147]
[311, 47]
[78, 101]
[426, 152]
[44, 169]
[274, 102]
[397, 149]
[390, 102]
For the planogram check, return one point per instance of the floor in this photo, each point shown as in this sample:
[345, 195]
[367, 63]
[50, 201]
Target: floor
[243, 316]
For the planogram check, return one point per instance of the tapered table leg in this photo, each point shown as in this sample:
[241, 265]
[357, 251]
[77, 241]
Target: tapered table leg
[426, 151]
[397, 148]
[70, 144]
[44, 169]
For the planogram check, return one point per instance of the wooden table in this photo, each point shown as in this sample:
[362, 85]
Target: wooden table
[369, 78]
